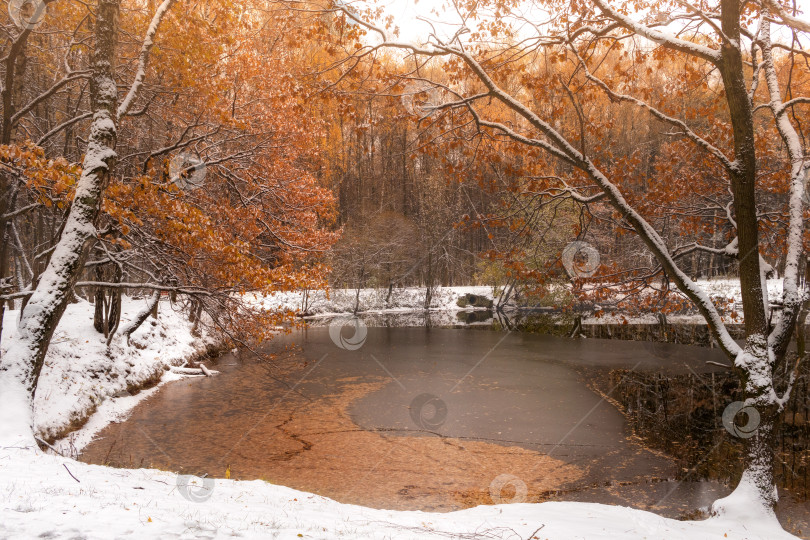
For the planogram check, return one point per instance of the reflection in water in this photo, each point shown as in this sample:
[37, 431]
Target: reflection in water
[472, 317]
[682, 415]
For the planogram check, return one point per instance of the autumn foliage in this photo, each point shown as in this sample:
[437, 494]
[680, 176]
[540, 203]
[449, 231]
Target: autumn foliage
[219, 186]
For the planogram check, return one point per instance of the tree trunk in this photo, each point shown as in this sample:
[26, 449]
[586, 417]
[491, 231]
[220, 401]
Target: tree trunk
[759, 459]
[113, 315]
[17, 48]
[743, 182]
[757, 483]
[139, 319]
[754, 364]
[196, 315]
[21, 366]
[99, 299]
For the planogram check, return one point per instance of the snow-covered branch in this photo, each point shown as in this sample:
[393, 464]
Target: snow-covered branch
[658, 36]
[564, 150]
[788, 19]
[63, 125]
[143, 57]
[792, 297]
[706, 19]
[680, 124]
[48, 93]
[792, 102]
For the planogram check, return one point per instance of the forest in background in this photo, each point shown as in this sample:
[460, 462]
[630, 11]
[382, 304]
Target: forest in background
[273, 158]
[427, 197]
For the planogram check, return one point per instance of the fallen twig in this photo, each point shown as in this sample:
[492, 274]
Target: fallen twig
[70, 473]
[713, 363]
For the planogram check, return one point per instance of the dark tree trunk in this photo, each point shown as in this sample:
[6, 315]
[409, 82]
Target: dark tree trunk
[113, 316]
[744, 180]
[14, 54]
[99, 299]
[756, 371]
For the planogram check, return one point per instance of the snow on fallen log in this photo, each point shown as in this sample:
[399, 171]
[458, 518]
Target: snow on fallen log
[202, 370]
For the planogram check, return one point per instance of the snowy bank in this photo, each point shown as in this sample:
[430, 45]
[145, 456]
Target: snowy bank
[337, 301]
[52, 497]
[319, 303]
[81, 373]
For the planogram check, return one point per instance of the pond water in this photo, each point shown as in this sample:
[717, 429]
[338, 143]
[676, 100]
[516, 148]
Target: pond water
[425, 418]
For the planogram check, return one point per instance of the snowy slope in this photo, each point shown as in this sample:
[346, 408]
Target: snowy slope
[80, 374]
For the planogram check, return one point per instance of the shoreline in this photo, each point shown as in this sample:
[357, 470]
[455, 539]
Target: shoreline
[83, 380]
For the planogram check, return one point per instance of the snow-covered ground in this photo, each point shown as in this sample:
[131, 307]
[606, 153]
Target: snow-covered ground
[46, 496]
[321, 303]
[50, 496]
[81, 374]
[444, 299]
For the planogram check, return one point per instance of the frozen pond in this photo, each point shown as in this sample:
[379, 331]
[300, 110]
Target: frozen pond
[419, 418]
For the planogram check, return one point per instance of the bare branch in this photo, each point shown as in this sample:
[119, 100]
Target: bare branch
[143, 58]
[63, 125]
[694, 137]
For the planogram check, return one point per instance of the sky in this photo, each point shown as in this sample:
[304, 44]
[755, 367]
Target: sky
[405, 13]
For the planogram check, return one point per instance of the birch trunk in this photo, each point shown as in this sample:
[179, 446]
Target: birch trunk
[21, 365]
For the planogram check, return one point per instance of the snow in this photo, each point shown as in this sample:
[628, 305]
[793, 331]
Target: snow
[51, 496]
[737, 505]
[40, 498]
[402, 300]
[80, 373]
[411, 299]
[15, 413]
